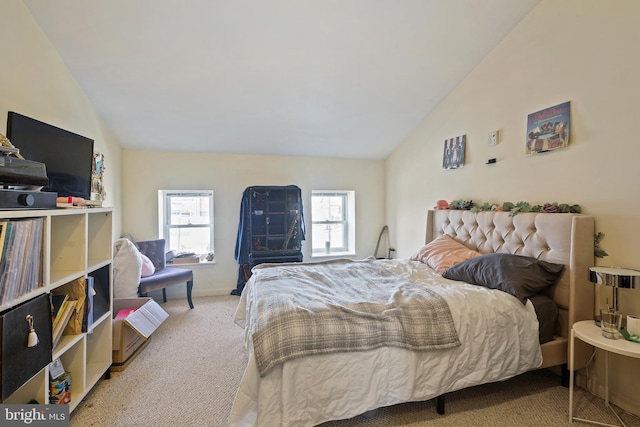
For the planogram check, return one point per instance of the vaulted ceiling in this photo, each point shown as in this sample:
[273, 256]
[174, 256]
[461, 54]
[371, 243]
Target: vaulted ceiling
[329, 78]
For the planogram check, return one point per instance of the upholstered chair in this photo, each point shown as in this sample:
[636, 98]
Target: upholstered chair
[163, 276]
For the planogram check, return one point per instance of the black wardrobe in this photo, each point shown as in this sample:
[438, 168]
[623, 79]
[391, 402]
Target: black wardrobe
[271, 228]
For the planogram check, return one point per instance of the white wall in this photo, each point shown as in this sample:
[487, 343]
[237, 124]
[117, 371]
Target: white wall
[146, 172]
[35, 82]
[583, 51]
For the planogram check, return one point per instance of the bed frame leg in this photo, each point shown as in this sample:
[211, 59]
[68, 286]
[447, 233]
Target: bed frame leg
[440, 404]
[564, 375]
[372, 413]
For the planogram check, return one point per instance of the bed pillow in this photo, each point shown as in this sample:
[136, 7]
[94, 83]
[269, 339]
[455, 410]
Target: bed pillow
[547, 313]
[517, 275]
[443, 252]
[127, 269]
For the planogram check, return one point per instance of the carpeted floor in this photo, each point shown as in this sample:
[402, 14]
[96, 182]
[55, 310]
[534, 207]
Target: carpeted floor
[189, 373]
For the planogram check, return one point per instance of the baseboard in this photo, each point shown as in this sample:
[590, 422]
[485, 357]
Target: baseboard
[624, 402]
[178, 292]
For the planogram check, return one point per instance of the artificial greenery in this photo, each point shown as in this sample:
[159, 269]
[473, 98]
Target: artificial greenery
[598, 251]
[515, 208]
[463, 205]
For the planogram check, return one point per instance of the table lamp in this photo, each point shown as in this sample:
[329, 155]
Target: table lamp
[615, 277]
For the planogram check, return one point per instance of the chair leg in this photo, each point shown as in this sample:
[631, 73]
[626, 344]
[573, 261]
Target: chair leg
[164, 294]
[189, 289]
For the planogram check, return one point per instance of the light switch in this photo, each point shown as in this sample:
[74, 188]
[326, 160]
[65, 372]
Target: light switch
[492, 139]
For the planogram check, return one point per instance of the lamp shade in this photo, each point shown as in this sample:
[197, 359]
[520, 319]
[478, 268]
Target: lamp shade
[615, 276]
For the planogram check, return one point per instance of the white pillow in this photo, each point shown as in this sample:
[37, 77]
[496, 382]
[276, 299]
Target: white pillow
[127, 269]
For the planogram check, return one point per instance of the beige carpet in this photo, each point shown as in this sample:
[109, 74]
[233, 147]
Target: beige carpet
[190, 371]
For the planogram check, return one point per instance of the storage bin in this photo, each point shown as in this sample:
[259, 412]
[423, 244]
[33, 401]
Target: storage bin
[18, 363]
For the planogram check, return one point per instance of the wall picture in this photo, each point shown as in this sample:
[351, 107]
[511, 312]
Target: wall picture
[548, 129]
[97, 175]
[453, 157]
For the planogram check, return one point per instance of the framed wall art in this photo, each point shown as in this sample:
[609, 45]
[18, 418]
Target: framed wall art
[453, 156]
[548, 129]
[97, 174]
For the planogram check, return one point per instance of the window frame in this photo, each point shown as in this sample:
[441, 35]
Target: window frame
[348, 222]
[164, 214]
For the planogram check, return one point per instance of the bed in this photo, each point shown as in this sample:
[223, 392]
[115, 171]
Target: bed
[496, 335]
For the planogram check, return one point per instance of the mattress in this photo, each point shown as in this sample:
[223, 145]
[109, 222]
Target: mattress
[499, 336]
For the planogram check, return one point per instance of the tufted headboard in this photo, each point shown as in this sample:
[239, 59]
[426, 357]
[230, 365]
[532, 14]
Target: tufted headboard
[561, 238]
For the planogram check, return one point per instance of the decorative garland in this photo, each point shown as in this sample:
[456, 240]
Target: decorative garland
[515, 208]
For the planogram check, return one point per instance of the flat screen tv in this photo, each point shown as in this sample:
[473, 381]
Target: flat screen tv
[68, 157]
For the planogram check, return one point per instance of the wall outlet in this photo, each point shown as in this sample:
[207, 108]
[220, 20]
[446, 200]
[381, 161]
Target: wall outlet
[492, 138]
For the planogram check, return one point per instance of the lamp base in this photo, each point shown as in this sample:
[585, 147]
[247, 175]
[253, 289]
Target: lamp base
[596, 321]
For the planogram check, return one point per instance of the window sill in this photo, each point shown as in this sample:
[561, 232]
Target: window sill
[192, 264]
[333, 254]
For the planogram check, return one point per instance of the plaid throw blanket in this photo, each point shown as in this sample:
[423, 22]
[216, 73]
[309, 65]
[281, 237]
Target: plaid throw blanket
[341, 306]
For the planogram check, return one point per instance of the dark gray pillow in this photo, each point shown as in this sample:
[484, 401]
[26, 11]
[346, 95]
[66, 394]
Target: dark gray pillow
[547, 312]
[517, 275]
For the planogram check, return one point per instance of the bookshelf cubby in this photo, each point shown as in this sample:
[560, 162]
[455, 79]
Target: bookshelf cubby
[76, 243]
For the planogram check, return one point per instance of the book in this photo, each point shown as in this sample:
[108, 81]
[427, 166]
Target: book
[57, 304]
[7, 259]
[23, 239]
[3, 235]
[66, 315]
[146, 319]
[87, 318]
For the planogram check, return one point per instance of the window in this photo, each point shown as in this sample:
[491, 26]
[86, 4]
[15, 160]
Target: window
[333, 222]
[186, 220]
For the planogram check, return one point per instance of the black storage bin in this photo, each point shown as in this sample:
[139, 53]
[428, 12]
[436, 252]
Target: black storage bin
[102, 297]
[18, 363]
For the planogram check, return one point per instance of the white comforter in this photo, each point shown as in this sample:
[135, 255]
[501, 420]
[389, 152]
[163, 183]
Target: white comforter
[499, 339]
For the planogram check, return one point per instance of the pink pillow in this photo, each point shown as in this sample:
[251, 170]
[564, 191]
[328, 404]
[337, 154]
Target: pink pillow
[442, 253]
[147, 266]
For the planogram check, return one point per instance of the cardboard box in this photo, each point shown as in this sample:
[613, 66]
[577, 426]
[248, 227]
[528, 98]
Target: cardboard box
[121, 366]
[130, 333]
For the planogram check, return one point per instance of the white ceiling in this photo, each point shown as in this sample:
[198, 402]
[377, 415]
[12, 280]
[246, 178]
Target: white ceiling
[332, 78]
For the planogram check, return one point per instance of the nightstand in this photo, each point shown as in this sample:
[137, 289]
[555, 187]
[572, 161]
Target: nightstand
[590, 333]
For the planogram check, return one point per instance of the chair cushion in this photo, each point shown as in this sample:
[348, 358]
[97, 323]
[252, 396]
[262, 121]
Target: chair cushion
[165, 277]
